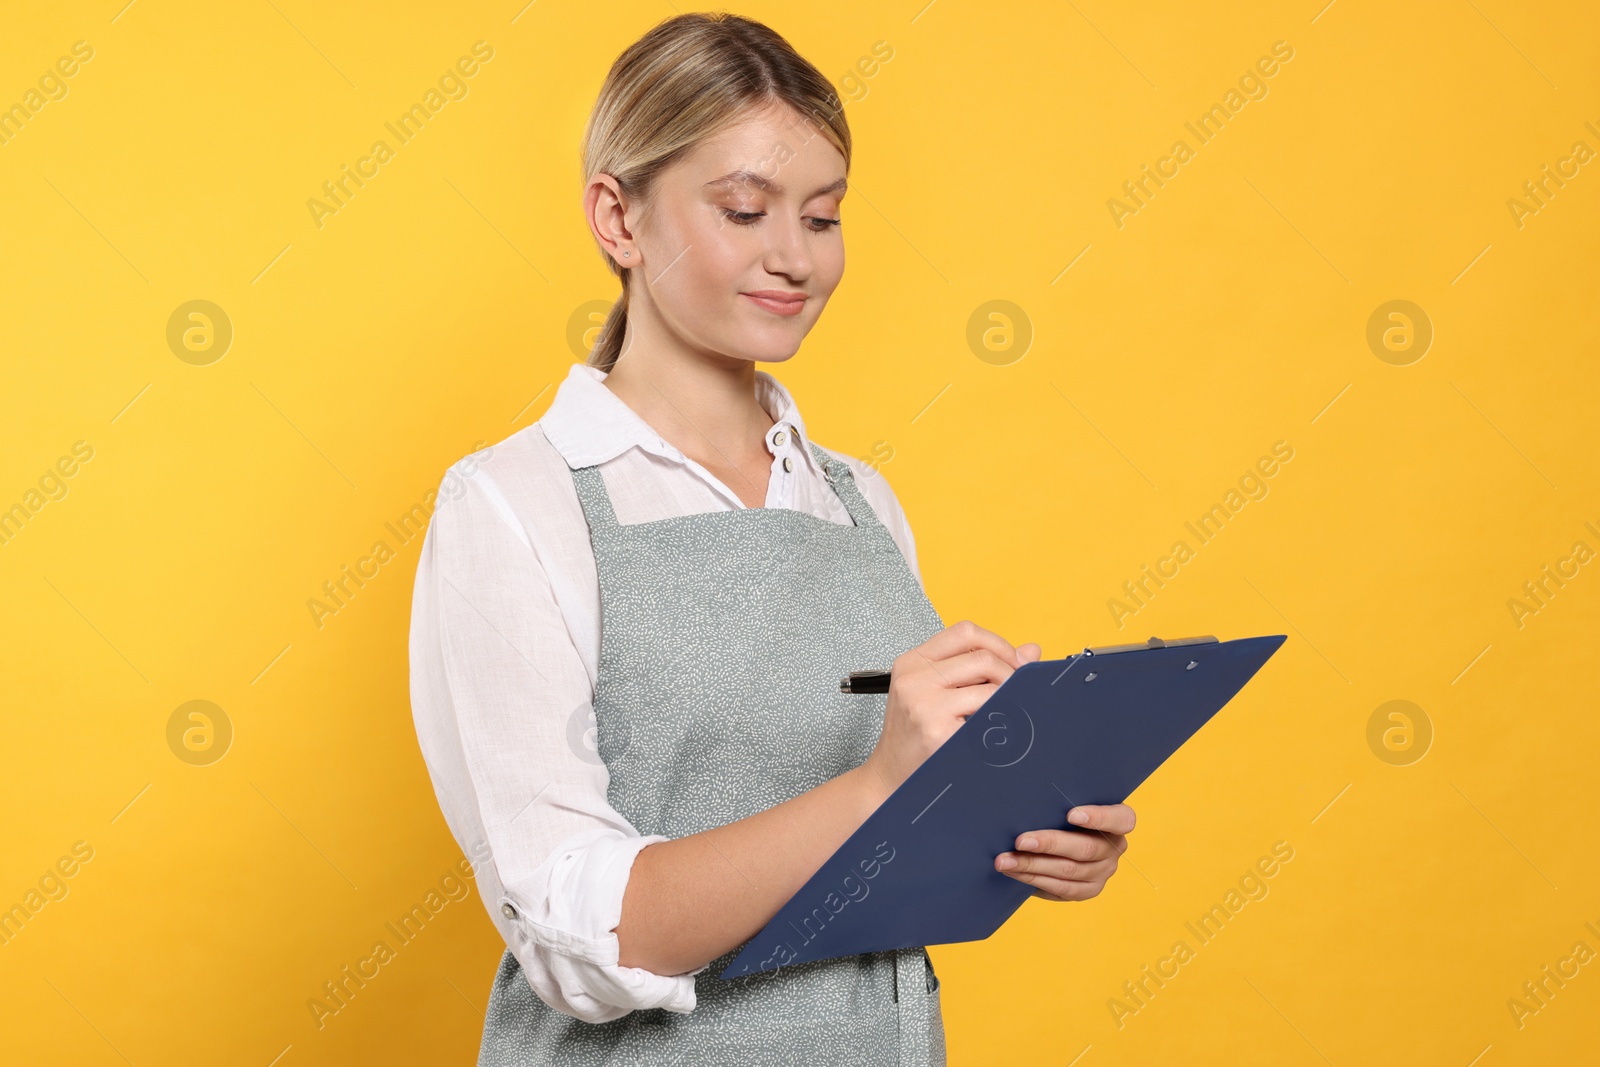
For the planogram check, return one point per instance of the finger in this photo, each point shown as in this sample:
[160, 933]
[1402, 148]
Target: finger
[1063, 843]
[964, 636]
[1060, 859]
[1030, 652]
[970, 668]
[964, 700]
[1092, 846]
[961, 701]
[1050, 889]
[1112, 818]
[1032, 866]
[1062, 888]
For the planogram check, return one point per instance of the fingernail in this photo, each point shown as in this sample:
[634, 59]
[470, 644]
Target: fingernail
[1078, 816]
[1028, 844]
[1006, 863]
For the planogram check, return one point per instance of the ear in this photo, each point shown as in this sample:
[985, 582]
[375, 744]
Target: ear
[605, 206]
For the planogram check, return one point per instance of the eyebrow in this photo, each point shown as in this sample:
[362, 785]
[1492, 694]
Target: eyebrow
[750, 177]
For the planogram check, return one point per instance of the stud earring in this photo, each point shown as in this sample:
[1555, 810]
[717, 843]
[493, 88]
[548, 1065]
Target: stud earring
[625, 255]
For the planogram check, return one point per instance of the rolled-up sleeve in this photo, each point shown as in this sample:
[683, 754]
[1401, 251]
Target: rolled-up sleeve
[503, 711]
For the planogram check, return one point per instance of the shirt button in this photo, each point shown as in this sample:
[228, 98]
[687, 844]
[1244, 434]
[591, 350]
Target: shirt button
[788, 464]
[508, 911]
[779, 438]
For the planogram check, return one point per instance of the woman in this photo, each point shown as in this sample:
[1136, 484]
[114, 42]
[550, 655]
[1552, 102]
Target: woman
[740, 571]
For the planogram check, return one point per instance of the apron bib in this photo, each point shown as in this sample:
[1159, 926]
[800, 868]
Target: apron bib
[723, 639]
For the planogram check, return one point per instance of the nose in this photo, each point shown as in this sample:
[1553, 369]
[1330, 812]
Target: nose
[788, 252]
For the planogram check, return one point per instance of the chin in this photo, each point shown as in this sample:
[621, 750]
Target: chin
[777, 357]
[767, 345]
[769, 352]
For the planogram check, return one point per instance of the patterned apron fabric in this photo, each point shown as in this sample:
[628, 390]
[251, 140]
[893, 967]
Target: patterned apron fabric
[724, 636]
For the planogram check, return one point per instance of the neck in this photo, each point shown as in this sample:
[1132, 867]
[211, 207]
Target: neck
[703, 403]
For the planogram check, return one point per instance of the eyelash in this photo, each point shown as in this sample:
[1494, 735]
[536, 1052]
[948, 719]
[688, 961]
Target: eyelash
[746, 218]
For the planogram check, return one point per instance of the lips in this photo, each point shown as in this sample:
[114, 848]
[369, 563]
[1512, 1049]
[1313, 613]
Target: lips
[777, 301]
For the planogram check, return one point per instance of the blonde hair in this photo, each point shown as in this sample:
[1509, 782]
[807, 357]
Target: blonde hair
[688, 78]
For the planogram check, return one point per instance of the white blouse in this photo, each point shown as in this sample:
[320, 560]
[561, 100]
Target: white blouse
[505, 641]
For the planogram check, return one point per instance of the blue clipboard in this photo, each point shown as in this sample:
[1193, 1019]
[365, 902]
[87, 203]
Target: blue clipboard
[1087, 729]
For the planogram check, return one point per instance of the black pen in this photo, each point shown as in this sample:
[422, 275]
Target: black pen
[865, 682]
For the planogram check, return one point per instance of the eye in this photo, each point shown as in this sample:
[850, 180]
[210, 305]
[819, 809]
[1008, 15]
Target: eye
[747, 218]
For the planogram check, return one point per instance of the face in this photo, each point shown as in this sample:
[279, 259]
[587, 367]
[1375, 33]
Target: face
[739, 246]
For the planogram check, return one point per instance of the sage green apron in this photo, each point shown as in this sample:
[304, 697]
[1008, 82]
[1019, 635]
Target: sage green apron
[724, 636]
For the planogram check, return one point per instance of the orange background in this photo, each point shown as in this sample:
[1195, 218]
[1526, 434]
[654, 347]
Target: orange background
[1046, 450]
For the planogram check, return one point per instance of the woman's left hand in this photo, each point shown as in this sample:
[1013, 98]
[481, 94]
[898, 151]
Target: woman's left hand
[1070, 864]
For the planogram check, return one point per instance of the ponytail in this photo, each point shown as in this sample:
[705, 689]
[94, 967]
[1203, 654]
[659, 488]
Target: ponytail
[608, 346]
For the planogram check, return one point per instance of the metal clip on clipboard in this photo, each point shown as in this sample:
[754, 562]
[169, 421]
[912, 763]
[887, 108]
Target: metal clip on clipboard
[1154, 642]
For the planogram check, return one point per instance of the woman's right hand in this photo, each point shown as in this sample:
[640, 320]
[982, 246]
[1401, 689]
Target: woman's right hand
[933, 688]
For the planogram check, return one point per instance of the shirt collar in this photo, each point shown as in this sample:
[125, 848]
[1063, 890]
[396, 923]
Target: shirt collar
[589, 424]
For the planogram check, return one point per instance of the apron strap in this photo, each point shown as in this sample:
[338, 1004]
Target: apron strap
[594, 498]
[843, 481]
